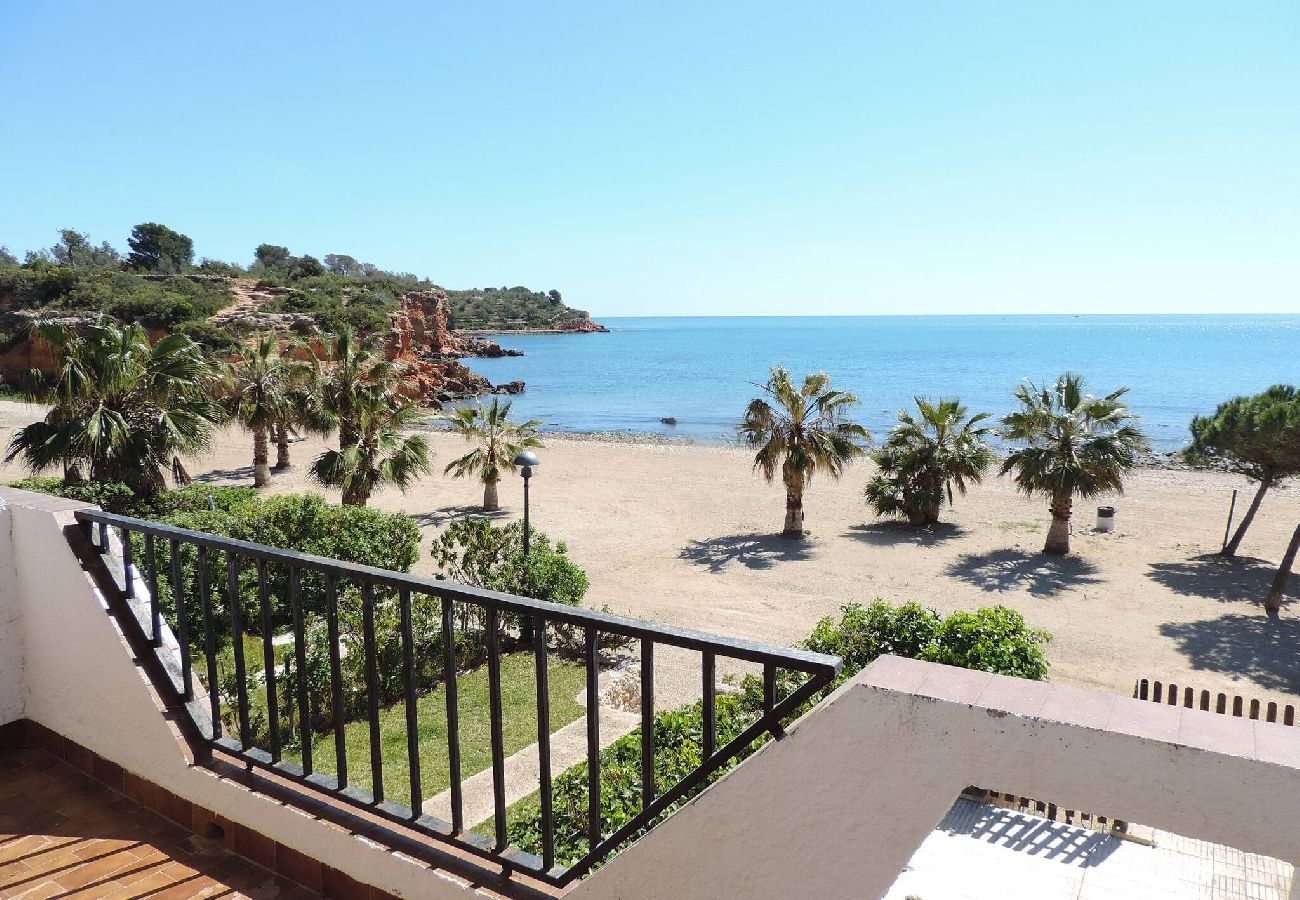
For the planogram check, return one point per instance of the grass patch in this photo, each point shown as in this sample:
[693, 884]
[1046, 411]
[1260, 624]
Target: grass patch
[519, 726]
[1021, 526]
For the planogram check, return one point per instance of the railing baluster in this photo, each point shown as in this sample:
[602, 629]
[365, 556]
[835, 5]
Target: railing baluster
[453, 719]
[544, 742]
[769, 696]
[710, 735]
[300, 660]
[209, 643]
[412, 712]
[647, 722]
[593, 742]
[237, 636]
[103, 537]
[336, 680]
[182, 623]
[128, 562]
[498, 741]
[268, 661]
[151, 572]
[372, 690]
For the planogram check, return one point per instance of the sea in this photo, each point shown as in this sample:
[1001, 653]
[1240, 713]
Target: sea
[702, 371]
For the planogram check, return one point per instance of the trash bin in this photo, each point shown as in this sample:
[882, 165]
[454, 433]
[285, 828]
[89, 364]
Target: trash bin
[1105, 518]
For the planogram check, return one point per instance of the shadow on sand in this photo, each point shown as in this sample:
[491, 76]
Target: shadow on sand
[445, 514]
[243, 473]
[754, 551]
[1252, 646]
[891, 533]
[1216, 577]
[1014, 569]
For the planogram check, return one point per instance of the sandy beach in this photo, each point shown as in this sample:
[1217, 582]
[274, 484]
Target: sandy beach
[685, 534]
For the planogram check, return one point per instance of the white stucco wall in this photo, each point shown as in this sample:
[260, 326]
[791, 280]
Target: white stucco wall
[837, 808]
[82, 682]
[12, 679]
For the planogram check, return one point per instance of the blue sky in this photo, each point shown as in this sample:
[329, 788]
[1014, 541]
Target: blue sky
[686, 158]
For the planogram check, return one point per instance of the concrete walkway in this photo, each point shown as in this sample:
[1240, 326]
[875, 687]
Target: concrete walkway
[568, 747]
[982, 852]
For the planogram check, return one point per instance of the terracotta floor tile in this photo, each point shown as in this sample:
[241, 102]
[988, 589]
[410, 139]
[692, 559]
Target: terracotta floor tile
[63, 834]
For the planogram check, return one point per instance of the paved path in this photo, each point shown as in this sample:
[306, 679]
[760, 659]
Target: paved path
[568, 747]
[982, 852]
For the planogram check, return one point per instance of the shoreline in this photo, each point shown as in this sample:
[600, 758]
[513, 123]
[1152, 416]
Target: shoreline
[488, 332]
[1155, 460]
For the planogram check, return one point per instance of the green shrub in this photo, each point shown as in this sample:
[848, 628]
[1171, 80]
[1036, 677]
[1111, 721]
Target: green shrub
[305, 523]
[990, 640]
[112, 496]
[474, 552]
[679, 750]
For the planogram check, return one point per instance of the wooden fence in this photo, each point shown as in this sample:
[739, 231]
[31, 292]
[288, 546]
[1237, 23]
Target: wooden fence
[1223, 704]
[1051, 811]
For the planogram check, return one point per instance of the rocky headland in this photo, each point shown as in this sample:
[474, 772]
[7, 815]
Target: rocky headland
[420, 338]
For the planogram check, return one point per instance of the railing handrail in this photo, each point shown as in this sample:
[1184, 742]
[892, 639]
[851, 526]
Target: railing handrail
[753, 651]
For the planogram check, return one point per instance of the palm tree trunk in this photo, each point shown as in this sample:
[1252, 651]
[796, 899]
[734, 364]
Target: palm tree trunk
[932, 513]
[490, 501]
[1058, 535]
[793, 507]
[261, 471]
[1273, 602]
[282, 448]
[1231, 548]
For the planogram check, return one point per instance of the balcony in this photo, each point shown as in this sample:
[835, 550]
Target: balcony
[95, 611]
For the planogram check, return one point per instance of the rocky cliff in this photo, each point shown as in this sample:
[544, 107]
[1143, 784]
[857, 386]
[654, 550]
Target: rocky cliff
[422, 339]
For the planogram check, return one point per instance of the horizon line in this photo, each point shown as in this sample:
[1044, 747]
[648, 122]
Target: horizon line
[595, 316]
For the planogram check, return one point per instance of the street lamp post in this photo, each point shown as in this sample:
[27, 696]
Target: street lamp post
[527, 461]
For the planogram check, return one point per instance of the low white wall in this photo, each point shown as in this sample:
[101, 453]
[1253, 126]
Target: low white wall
[81, 681]
[837, 808]
[12, 678]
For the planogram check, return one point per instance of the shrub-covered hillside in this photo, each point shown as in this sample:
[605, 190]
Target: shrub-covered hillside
[159, 284]
[510, 309]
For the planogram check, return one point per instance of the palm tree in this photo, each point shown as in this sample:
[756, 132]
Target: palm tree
[1075, 445]
[120, 405]
[379, 454]
[354, 366]
[800, 431]
[497, 440]
[925, 457]
[261, 383]
[305, 410]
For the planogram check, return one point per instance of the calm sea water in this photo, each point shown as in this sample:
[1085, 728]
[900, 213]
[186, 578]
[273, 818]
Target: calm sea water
[702, 371]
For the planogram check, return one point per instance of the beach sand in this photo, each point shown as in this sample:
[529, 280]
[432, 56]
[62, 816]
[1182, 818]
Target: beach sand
[685, 534]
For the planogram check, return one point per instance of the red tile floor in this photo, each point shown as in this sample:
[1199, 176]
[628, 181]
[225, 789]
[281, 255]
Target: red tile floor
[63, 834]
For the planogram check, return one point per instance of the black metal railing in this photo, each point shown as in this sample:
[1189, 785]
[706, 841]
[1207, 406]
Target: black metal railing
[239, 594]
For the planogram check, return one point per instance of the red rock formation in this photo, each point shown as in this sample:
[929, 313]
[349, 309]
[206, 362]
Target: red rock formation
[583, 325]
[421, 338]
[420, 327]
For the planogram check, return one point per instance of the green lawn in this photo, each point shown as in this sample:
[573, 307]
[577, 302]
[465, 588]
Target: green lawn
[519, 726]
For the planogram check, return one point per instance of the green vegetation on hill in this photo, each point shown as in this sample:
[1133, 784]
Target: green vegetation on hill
[154, 284]
[510, 309]
[174, 303]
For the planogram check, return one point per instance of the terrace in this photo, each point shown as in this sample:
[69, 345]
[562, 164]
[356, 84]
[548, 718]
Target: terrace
[280, 783]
